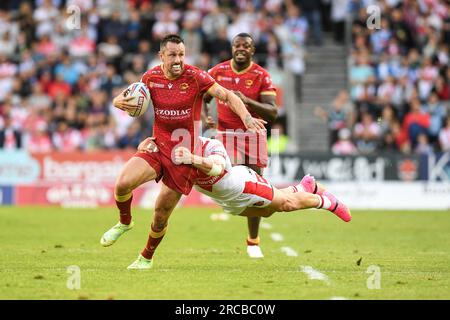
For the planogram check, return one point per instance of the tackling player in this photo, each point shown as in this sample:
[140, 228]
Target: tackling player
[176, 90]
[253, 85]
[239, 190]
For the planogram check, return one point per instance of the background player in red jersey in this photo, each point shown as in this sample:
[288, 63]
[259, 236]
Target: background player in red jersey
[176, 90]
[253, 84]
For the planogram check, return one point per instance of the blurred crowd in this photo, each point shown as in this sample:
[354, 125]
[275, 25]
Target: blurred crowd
[399, 97]
[62, 61]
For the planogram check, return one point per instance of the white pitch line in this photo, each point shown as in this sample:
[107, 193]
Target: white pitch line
[266, 225]
[276, 236]
[314, 274]
[220, 216]
[338, 298]
[289, 251]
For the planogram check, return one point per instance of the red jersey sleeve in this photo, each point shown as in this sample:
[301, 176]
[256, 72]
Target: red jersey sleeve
[267, 87]
[145, 77]
[205, 81]
[212, 72]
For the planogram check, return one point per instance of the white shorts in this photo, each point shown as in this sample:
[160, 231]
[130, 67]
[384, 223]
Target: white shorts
[257, 192]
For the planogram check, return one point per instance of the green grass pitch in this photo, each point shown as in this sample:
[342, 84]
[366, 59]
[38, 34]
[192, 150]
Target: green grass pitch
[204, 259]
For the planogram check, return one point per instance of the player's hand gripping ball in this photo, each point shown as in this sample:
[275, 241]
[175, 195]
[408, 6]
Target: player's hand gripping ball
[140, 99]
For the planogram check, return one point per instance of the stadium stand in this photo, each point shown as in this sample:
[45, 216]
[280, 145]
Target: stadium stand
[399, 75]
[58, 74]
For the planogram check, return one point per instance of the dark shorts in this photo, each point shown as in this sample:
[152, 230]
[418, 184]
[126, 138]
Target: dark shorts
[177, 177]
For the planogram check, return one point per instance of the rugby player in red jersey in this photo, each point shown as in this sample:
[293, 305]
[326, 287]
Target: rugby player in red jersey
[241, 191]
[253, 84]
[176, 91]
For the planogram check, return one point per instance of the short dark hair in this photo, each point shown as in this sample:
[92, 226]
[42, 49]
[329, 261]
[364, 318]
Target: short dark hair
[170, 38]
[244, 35]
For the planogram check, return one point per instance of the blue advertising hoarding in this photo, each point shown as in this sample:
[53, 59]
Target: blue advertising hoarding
[6, 195]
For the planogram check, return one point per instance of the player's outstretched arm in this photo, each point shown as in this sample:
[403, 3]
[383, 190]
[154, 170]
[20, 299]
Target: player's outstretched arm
[214, 165]
[266, 108]
[238, 107]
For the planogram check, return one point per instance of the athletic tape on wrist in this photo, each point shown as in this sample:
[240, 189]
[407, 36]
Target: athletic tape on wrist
[215, 170]
[218, 164]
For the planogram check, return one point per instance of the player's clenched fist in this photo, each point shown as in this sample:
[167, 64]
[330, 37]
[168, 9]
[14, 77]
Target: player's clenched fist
[183, 156]
[148, 145]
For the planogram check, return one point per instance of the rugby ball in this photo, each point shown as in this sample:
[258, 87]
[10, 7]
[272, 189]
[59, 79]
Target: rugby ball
[141, 98]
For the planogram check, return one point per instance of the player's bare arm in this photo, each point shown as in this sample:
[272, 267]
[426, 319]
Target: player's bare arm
[238, 107]
[207, 98]
[213, 165]
[266, 108]
[206, 112]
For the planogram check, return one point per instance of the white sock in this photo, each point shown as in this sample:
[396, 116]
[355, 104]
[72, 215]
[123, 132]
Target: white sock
[324, 202]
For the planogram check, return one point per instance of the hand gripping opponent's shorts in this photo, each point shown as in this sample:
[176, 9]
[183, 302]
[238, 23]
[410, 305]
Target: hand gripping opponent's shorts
[177, 177]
